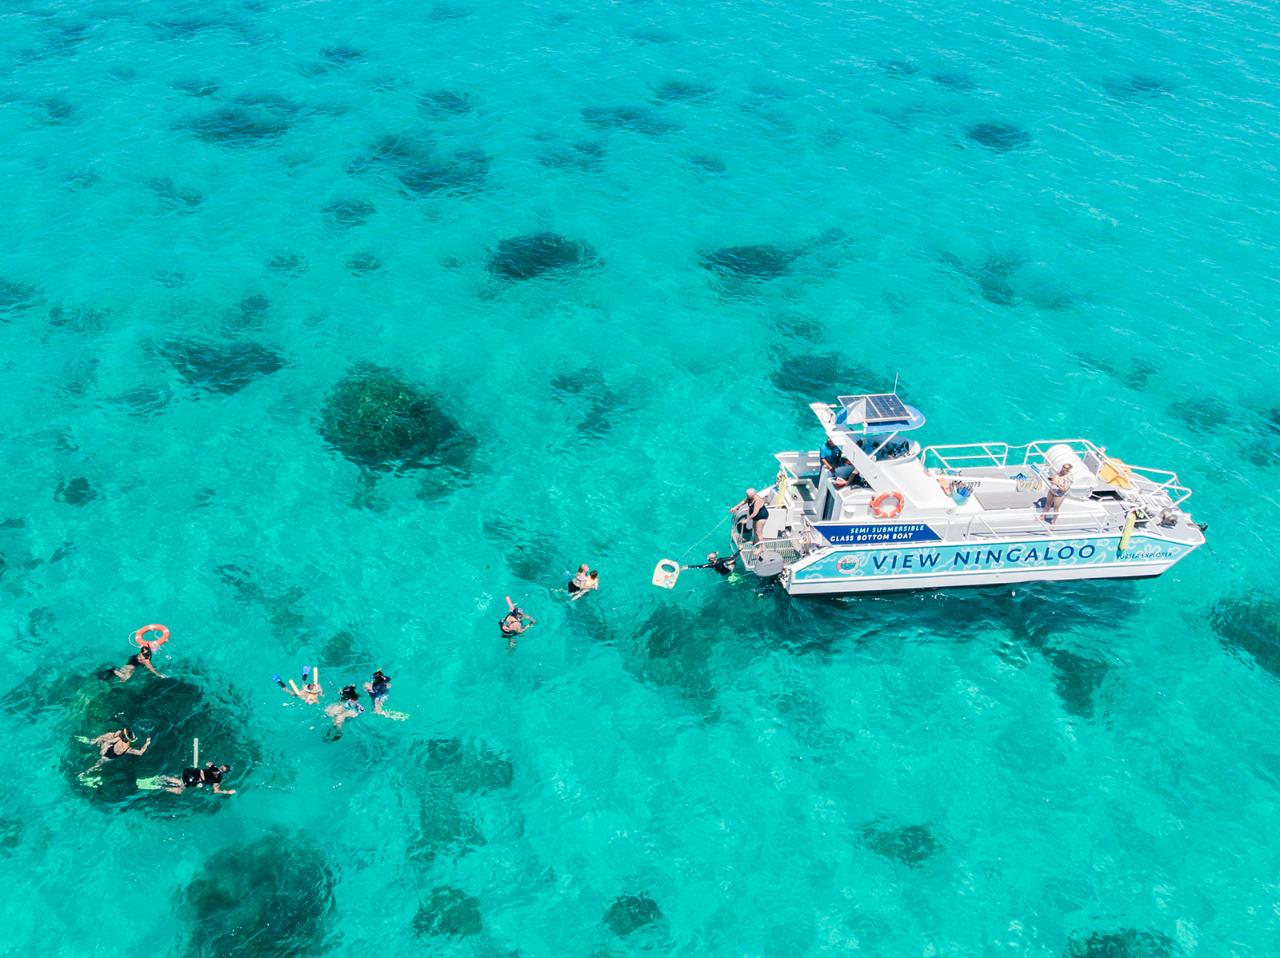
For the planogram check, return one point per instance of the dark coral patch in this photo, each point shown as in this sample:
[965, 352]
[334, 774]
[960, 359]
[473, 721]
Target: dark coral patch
[540, 254]
[144, 401]
[361, 263]
[56, 110]
[708, 165]
[586, 156]
[171, 712]
[445, 830]
[682, 91]
[248, 120]
[636, 119]
[997, 136]
[991, 275]
[1127, 943]
[271, 897]
[341, 55]
[448, 912]
[347, 213]
[758, 262]
[1137, 87]
[959, 82]
[466, 766]
[75, 492]
[175, 197]
[629, 913]
[1076, 679]
[378, 420]
[196, 88]
[441, 103]
[238, 126]
[15, 297]
[821, 374]
[912, 845]
[79, 319]
[897, 67]
[420, 169]
[1250, 625]
[290, 264]
[223, 368]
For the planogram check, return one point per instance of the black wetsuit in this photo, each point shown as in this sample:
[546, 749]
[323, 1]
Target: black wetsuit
[723, 565]
[195, 777]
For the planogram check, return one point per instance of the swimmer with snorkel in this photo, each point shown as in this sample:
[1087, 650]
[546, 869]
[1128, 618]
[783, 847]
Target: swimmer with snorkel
[311, 690]
[516, 622]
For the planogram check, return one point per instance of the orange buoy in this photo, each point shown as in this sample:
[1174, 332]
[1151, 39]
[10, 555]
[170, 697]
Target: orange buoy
[140, 637]
[888, 505]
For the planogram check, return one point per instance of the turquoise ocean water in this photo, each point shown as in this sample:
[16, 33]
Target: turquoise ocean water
[1048, 219]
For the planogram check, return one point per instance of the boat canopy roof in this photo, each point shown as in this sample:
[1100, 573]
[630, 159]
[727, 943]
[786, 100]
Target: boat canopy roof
[871, 414]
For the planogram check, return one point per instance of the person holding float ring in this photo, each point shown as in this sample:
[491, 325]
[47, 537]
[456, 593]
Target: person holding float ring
[141, 658]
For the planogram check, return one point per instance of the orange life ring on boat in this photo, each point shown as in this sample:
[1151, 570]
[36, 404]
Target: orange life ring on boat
[877, 505]
[139, 637]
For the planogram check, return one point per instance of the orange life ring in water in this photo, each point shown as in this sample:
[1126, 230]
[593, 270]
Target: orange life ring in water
[139, 638]
[877, 505]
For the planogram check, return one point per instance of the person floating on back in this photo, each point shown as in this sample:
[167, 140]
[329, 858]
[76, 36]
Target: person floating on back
[210, 775]
[515, 623]
[583, 582]
[310, 692]
[378, 690]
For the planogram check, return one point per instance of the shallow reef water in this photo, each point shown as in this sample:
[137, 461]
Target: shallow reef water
[327, 329]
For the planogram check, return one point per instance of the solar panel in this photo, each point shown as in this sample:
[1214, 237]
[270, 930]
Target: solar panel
[886, 407]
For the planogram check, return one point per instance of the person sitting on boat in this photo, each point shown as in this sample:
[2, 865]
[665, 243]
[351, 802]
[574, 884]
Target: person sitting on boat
[1059, 486]
[754, 515]
[722, 564]
[845, 474]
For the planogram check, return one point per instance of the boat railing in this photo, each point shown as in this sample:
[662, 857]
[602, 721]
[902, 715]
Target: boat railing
[789, 547]
[1001, 455]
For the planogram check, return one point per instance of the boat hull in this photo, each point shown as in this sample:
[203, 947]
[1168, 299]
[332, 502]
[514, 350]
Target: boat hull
[879, 568]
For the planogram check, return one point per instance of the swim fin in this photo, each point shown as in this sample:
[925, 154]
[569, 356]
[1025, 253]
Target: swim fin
[279, 681]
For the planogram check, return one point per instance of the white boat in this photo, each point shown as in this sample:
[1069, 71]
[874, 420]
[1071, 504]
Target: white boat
[963, 515]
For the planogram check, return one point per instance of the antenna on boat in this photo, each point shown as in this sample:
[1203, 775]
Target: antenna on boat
[895, 384]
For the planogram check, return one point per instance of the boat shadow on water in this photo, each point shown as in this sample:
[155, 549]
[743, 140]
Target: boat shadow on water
[1051, 620]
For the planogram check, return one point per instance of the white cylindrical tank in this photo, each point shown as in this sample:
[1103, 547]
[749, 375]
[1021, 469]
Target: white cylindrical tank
[1082, 480]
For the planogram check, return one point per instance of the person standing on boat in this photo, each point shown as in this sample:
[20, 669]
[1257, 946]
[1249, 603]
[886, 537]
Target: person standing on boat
[755, 514]
[1059, 486]
[831, 455]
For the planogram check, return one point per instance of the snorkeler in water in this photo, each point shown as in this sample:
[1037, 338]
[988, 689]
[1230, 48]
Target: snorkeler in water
[210, 775]
[515, 622]
[721, 564]
[378, 690]
[583, 582]
[310, 691]
[140, 658]
[113, 745]
[348, 706]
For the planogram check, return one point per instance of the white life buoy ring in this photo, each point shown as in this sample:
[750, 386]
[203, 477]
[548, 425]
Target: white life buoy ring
[879, 509]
